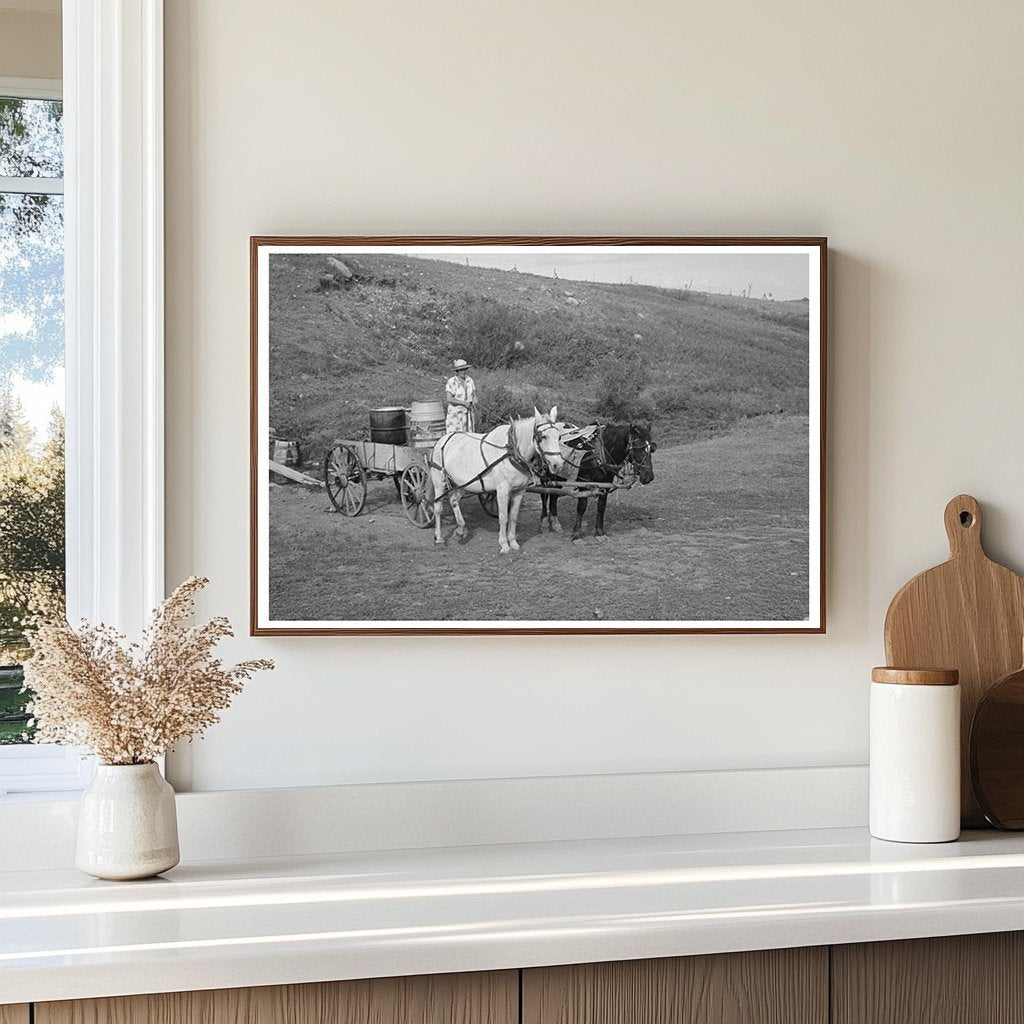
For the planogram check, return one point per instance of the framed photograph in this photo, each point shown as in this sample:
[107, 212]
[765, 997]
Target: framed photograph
[537, 435]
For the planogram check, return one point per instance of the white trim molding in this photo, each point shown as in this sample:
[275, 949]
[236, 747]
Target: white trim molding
[114, 326]
[32, 186]
[42, 768]
[31, 88]
[113, 115]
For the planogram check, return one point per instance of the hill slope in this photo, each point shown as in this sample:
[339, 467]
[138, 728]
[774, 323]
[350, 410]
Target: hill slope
[693, 362]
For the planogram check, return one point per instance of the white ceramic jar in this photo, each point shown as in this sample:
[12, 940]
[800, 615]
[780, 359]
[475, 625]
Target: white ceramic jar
[915, 755]
[127, 823]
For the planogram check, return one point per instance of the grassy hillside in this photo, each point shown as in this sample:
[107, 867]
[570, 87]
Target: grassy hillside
[692, 362]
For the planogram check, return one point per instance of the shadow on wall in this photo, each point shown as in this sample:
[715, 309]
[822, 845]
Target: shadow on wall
[853, 288]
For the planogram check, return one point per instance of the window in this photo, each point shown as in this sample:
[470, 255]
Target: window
[112, 208]
[32, 531]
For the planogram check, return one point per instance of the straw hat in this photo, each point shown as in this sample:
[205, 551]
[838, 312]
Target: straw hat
[461, 364]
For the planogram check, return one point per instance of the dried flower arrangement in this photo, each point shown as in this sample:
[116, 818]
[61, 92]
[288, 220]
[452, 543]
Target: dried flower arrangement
[130, 703]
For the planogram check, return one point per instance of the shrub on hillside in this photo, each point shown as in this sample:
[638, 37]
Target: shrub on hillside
[555, 342]
[488, 333]
[619, 394]
[710, 409]
[670, 400]
[499, 403]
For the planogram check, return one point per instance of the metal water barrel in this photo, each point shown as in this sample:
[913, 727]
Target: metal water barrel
[389, 425]
[426, 423]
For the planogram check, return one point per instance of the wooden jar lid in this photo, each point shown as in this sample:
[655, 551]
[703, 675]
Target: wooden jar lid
[916, 676]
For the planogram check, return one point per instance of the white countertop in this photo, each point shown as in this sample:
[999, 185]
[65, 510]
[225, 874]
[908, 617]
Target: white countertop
[226, 924]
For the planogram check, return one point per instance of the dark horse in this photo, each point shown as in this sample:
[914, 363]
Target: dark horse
[616, 447]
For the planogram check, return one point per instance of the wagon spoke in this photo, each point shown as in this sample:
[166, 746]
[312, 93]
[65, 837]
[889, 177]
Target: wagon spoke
[351, 501]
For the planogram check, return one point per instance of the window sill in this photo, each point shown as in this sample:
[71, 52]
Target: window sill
[42, 797]
[42, 771]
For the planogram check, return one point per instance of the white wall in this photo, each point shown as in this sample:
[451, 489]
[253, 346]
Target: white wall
[895, 129]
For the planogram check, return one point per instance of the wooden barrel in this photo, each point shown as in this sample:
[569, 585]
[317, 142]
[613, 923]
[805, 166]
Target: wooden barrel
[426, 423]
[389, 426]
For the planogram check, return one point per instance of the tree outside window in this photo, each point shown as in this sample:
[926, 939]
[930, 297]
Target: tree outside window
[31, 386]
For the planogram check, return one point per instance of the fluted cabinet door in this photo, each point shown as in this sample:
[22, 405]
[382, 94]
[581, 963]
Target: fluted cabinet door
[778, 986]
[14, 1014]
[960, 979]
[482, 998]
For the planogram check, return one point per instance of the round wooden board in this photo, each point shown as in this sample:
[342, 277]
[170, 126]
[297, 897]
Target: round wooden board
[997, 752]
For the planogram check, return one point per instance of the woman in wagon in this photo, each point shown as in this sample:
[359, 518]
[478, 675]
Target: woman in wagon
[460, 396]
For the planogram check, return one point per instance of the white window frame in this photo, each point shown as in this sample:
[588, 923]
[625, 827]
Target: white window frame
[31, 89]
[114, 324]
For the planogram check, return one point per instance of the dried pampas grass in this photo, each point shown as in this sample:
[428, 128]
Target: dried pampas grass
[130, 703]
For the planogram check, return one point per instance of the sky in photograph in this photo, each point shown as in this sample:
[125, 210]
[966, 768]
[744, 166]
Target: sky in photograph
[783, 275]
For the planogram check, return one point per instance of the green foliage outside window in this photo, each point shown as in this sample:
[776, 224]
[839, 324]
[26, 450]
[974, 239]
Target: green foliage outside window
[31, 547]
[31, 352]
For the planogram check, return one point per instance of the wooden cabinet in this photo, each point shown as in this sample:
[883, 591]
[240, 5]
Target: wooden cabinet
[968, 979]
[778, 986]
[962, 979]
[491, 998]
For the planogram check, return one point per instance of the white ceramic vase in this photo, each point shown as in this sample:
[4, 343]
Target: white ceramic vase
[127, 825]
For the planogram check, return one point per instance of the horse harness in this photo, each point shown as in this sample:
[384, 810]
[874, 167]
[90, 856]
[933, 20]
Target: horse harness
[509, 451]
[636, 449]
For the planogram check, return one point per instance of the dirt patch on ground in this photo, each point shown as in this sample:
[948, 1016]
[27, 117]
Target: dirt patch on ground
[720, 534]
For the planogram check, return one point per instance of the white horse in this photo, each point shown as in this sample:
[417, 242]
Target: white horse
[463, 463]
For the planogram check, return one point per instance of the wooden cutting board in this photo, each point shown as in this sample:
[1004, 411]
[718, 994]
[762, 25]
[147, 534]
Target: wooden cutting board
[967, 614]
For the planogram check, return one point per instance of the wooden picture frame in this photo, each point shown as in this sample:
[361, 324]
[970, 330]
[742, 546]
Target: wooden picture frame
[733, 370]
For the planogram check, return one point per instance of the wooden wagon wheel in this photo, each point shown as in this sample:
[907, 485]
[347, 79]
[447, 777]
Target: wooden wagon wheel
[489, 503]
[345, 479]
[417, 493]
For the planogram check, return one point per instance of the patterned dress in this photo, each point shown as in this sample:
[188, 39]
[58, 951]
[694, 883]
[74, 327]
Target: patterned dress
[457, 417]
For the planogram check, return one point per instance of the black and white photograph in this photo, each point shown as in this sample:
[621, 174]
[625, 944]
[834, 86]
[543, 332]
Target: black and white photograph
[537, 435]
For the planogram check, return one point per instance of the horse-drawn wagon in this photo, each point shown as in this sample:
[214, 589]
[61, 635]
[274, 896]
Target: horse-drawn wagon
[398, 449]
[350, 464]
[402, 440]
